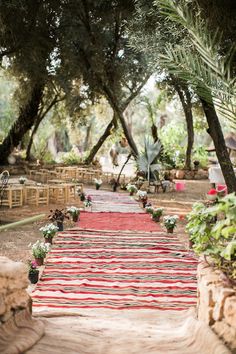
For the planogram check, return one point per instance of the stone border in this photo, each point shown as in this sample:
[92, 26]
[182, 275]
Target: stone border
[18, 330]
[217, 304]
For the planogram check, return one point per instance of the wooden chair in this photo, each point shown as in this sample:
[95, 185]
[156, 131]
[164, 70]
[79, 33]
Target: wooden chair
[13, 196]
[107, 176]
[70, 192]
[37, 195]
[32, 174]
[57, 194]
[79, 175]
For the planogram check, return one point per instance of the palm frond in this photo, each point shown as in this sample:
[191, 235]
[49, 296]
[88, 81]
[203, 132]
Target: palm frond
[204, 68]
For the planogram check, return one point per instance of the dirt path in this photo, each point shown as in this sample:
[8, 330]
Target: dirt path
[133, 332]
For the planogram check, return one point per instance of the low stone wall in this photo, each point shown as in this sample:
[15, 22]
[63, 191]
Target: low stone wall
[217, 304]
[18, 331]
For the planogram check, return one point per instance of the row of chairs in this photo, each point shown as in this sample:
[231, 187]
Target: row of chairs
[65, 174]
[16, 195]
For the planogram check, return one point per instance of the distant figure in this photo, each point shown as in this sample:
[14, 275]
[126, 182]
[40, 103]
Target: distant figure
[163, 120]
[120, 147]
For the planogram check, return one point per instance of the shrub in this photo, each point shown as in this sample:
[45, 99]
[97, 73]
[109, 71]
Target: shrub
[213, 233]
[71, 158]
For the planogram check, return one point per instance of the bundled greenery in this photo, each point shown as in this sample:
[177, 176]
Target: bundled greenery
[213, 232]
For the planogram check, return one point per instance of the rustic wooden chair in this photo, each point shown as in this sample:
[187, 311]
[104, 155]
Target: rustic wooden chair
[37, 195]
[57, 194]
[12, 196]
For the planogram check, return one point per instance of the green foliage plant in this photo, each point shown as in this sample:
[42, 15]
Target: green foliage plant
[200, 154]
[213, 233]
[70, 158]
[157, 213]
[173, 137]
[148, 160]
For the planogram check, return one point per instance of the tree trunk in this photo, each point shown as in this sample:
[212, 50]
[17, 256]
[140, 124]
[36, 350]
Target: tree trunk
[25, 121]
[100, 142]
[39, 119]
[185, 99]
[190, 129]
[118, 178]
[119, 113]
[35, 128]
[154, 132]
[87, 138]
[217, 136]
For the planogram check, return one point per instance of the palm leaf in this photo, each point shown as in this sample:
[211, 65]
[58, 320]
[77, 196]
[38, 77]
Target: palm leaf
[208, 72]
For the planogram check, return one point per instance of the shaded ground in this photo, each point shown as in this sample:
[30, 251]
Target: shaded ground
[14, 243]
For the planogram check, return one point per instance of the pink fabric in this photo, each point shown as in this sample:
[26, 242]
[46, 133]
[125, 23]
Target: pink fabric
[117, 221]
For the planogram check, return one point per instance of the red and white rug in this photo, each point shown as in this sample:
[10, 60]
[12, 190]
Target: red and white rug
[119, 260]
[89, 268]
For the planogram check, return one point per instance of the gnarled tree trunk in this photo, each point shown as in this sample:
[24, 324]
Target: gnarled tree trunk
[222, 153]
[25, 121]
[185, 98]
[120, 116]
[100, 142]
[38, 120]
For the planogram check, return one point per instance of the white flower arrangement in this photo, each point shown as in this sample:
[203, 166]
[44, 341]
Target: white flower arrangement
[49, 230]
[98, 181]
[40, 249]
[142, 195]
[22, 179]
[73, 210]
[131, 188]
[170, 221]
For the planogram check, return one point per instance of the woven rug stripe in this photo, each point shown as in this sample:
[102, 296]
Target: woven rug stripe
[116, 260]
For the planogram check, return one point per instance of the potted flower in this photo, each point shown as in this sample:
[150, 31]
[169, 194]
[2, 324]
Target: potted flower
[58, 216]
[74, 212]
[98, 183]
[82, 196]
[131, 188]
[221, 190]
[123, 186]
[22, 180]
[149, 208]
[156, 214]
[142, 195]
[88, 201]
[114, 184]
[33, 274]
[212, 194]
[39, 251]
[49, 232]
[170, 222]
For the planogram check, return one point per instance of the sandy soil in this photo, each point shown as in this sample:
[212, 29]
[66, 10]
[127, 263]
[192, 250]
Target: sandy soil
[15, 243]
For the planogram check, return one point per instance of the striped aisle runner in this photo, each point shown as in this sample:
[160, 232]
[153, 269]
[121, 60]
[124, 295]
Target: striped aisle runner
[116, 270]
